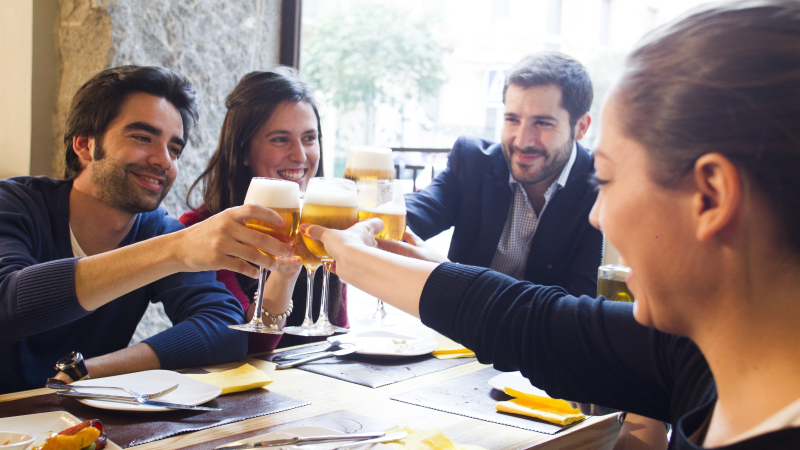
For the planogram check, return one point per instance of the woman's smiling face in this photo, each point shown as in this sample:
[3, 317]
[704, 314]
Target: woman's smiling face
[287, 145]
[651, 226]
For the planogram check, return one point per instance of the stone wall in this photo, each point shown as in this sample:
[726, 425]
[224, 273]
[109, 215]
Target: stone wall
[213, 42]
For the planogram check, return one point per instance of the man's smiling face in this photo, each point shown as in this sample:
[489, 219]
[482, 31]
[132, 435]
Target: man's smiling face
[136, 161]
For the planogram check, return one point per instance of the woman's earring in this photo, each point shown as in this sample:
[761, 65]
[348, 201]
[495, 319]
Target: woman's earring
[246, 163]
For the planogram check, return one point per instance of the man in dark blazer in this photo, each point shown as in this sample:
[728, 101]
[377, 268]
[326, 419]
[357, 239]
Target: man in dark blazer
[521, 206]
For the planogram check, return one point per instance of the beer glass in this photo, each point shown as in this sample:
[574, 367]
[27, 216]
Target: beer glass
[382, 199]
[369, 163]
[331, 203]
[283, 197]
[611, 283]
[311, 262]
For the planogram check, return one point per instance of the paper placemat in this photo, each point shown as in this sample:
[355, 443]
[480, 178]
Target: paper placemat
[471, 396]
[372, 371]
[127, 429]
[342, 420]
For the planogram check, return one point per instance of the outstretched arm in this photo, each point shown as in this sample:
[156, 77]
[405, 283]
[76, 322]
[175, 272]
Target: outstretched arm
[360, 263]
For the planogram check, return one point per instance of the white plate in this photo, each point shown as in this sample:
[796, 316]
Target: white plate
[516, 381]
[41, 426]
[189, 391]
[385, 343]
[289, 433]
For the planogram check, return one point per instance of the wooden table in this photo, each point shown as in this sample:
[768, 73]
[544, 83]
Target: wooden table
[328, 394]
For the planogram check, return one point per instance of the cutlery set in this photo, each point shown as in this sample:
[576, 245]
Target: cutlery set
[142, 399]
[360, 438]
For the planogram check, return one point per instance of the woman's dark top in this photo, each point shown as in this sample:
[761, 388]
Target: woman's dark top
[584, 349]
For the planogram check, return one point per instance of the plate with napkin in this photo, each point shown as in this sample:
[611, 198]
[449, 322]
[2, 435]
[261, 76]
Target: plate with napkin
[531, 401]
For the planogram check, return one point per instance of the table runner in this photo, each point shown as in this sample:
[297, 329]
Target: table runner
[471, 396]
[372, 371]
[342, 420]
[127, 429]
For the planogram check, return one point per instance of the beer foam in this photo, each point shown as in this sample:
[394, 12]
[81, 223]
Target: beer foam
[271, 193]
[387, 208]
[331, 197]
[374, 158]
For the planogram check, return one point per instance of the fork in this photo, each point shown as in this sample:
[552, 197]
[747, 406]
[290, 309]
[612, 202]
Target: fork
[335, 345]
[139, 397]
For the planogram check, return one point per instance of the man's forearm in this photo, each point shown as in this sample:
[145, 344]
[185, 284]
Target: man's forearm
[101, 278]
[136, 358]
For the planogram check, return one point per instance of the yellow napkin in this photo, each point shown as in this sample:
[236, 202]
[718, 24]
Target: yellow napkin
[449, 349]
[555, 411]
[235, 380]
[426, 440]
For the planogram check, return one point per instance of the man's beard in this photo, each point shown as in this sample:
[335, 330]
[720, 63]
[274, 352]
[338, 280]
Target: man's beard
[555, 162]
[118, 190]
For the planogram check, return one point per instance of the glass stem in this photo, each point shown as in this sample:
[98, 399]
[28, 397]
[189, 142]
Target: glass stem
[259, 300]
[381, 309]
[323, 307]
[310, 272]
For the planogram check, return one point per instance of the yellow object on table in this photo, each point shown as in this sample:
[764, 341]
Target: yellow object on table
[449, 349]
[81, 439]
[549, 409]
[235, 380]
[426, 440]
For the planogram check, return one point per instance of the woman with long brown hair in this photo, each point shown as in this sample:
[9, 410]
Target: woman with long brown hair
[272, 129]
[698, 170]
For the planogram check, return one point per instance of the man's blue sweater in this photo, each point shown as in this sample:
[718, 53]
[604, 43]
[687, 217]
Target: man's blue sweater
[41, 319]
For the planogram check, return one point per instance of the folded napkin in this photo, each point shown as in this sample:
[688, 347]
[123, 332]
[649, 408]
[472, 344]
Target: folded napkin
[554, 411]
[235, 380]
[426, 440]
[449, 349]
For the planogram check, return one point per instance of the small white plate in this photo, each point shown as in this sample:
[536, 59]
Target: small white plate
[515, 381]
[306, 431]
[385, 343]
[41, 426]
[189, 391]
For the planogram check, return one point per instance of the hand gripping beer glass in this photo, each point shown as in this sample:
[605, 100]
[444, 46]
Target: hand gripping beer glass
[382, 199]
[369, 163]
[283, 197]
[311, 262]
[331, 203]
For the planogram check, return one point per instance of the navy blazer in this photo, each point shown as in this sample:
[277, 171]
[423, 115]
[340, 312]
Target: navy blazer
[473, 195]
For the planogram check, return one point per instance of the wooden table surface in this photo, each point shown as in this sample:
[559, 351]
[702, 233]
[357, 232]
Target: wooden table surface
[328, 394]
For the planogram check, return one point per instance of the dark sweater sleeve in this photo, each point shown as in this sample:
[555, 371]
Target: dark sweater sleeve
[582, 349]
[36, 297]
[200, 309]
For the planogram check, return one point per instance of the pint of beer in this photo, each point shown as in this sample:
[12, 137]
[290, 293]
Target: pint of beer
[383, 199]
[369, 163]
[281, 196]
[611, 283]
[332, 203]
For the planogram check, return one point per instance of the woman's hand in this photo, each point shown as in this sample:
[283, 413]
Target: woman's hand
[337, 242]
[413, 247]
[224, 242]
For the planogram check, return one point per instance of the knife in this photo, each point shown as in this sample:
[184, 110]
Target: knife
[300, 440]
[324, 355]
[123, 399]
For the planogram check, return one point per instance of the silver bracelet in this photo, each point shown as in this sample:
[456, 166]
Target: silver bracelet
[280, 316]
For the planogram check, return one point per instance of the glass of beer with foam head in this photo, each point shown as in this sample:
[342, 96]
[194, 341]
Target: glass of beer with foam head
[382, 199]
[369, 163]
[332, 203]
[283, 197]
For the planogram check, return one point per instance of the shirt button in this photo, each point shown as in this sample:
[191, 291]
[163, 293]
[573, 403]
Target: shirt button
[549, 266]
[530, 215]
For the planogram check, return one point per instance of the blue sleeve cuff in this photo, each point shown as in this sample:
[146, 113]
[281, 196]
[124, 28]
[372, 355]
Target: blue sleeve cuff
[180, 346]
[443, 291]
[46, 295]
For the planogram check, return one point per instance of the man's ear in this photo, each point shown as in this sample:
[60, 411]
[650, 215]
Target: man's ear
[582, 126]
[719, 194]
[83, 145]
